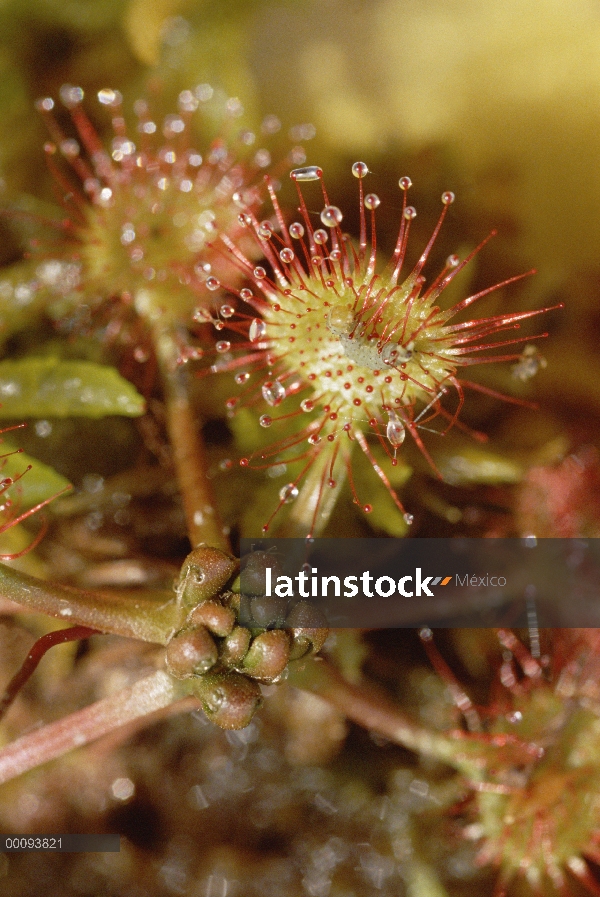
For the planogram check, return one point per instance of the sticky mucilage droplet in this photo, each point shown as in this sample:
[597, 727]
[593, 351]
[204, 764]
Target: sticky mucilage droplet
[309, 173]
[273, 392]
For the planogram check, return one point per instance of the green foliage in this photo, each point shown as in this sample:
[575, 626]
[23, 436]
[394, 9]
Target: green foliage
[49, 387]
[38, 484]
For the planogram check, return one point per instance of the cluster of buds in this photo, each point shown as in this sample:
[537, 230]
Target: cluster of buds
[222, 648]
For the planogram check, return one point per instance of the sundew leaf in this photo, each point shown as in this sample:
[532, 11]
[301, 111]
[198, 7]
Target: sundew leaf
[31, 486]
[467, 465]
[49, 387]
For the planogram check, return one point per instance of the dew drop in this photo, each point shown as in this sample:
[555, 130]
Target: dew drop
[307, 405]
[43, 428]
[109, 97]
[287, 255]
[265, 230]
[265, 420]
[395, 430]
[410, 212]
[141, 354]
[270, 124]
[187, 101]
[408, 518]
[340, 319]
[257, 330]
[321, 237]
[360, 169]
[273, 392]
[44, 104]
[405, 183]
[296, 230]
[288, 493]
[314, 439]
[309, 173]
[223, 346]
[453, 261]
[242, 377]
[246, 294]
[69, 148]
[227, 311]
[260, 273]
[393, 354]
[367, 508]
[448, 198]
[212, 283]
[335, 255]
[331, 216]
[70, 96]
[372, 201]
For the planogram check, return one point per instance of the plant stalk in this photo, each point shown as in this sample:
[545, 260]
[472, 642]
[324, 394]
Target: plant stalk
[153, 693]
[374, 712]
[203, 523]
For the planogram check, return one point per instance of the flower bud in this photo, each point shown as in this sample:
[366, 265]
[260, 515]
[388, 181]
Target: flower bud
[191, 652]
[229, 700]
[205, 572]
[268, 611]
[253, 572]
[268, 655]
[308, 629]
[217, 618]
[235, 646]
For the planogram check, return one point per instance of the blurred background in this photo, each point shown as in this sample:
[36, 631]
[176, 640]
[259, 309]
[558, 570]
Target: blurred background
[499, 102]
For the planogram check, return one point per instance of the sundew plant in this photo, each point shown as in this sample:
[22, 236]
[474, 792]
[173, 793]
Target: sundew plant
[362, 351]
[216, 322]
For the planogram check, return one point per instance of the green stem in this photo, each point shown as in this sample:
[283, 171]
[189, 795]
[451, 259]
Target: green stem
[148, 619]
[202, 520]
[372, 711]
[147, 696]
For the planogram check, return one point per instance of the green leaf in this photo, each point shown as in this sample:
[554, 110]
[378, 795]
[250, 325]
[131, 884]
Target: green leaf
[462, 464]
[49, 387]
[31, 486]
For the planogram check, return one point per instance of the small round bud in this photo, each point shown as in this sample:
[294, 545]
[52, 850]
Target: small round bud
[229, 700]
[268, 655]
[252, 577]
[191, 652]
[204, 573]
[309, 629]
[268, 611]
[235, 647]
[218, 619]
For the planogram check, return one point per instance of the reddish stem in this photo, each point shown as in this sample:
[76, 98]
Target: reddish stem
[37, 651]
[203, 523]
[55, 739]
